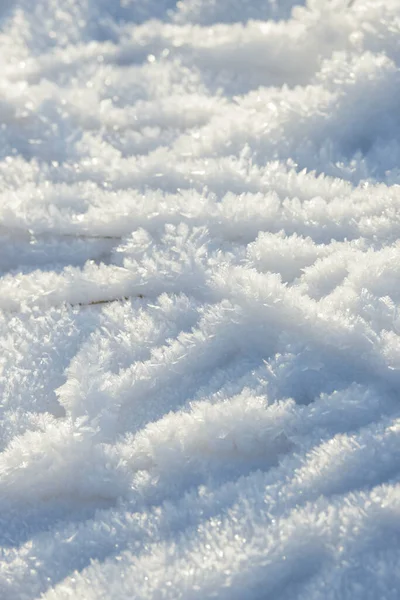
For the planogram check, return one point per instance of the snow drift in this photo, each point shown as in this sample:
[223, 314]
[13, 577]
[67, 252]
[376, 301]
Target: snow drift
[199, 299]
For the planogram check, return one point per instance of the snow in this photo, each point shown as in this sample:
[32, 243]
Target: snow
[199, 299]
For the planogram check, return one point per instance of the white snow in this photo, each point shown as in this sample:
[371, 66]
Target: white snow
[199, 299]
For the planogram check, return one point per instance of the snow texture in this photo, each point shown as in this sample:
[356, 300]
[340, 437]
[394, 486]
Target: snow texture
[199, 299]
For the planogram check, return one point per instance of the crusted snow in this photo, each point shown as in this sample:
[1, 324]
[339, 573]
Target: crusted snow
[199, 299]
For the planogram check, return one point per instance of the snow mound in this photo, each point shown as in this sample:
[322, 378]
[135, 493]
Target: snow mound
[199, 299]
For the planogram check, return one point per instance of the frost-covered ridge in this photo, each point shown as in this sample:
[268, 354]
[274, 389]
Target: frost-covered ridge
[199, 300]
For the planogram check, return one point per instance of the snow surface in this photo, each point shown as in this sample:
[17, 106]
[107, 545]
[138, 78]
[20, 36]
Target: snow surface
[199, 299]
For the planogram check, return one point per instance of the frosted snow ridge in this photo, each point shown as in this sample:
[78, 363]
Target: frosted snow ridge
[199, 299]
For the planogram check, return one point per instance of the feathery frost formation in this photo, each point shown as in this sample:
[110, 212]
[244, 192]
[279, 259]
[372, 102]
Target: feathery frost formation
[199, 299]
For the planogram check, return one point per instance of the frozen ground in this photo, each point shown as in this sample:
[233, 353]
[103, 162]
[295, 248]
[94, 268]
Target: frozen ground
[230, 427]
